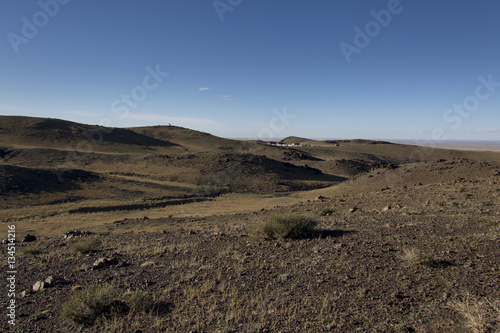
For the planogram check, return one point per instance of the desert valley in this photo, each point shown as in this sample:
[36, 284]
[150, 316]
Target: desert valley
[167, 229]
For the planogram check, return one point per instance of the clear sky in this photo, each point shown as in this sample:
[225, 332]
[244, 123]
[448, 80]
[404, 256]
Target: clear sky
[382, 69]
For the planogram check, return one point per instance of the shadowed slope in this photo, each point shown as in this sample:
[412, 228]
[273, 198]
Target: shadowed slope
[61, 134]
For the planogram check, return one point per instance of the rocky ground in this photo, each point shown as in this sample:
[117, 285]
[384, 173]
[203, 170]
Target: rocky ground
[398, 260]
[407, 238]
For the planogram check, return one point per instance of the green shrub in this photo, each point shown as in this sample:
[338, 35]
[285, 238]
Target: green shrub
[31, 250]
[85, 245]
[139, 301]
[89, 303]
[283, 227]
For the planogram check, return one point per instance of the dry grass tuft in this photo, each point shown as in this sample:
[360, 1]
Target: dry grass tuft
[85, 245]
[111, 310]
[325, 212]
[31, 250]
[139, 301]
[87, 304]
[481, 316]
[414, 256]
[283, 227]
[148, 263]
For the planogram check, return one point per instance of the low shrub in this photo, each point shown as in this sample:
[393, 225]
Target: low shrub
[283, 227]
[85, 245]
[325, 212]
[139, 301]
[89, 303]
[31, 250]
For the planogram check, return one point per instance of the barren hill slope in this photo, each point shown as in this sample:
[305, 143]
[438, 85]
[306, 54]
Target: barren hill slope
[147, 163]
[136, 164]
[191, 139]
[67, 135]
[454, 171]
[403, 260]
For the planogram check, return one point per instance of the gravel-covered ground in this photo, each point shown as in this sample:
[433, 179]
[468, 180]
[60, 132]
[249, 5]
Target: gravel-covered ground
[397, 260]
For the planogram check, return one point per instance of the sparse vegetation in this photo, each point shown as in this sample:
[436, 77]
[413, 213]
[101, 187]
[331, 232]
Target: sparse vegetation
[87, 304]
[106, 306]
[85, 245]
[180, 258]
[325, 212]
[148, 263]
[415, 256]
[481, 315]
[31, 250]
[283, 227]
[139, 301]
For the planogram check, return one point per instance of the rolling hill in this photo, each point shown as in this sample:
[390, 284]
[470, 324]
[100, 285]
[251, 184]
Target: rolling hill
[51, 160]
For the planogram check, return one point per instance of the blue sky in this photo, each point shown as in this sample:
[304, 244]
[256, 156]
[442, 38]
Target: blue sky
[423, 70]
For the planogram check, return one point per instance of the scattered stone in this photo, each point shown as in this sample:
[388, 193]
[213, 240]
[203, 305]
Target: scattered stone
[386, 208]
[104, 262]
[49, 282]
[353, 209]
[38, 286]
[29, 238]
[321, 198]
[76, 233]
[55, 281]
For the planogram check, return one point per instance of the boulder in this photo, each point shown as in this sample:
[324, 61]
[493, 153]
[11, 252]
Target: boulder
[55, 281]
[104, 262]
[49, 282]
[39, 285]
[29, 238]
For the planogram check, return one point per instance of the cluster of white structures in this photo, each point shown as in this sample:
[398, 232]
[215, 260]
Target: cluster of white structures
[272, 143]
